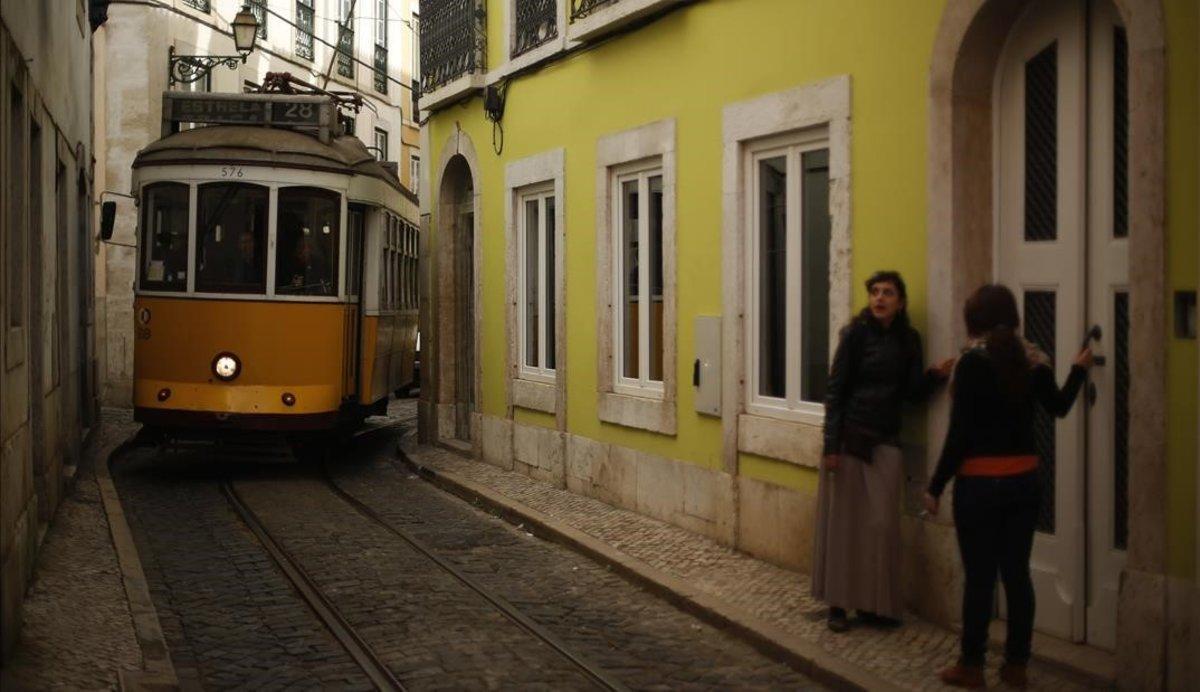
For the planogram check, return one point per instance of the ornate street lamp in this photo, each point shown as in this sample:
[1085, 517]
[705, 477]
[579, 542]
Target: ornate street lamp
[185, 69]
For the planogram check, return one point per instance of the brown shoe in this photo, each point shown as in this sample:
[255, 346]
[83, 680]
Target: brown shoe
[963, 676]
[1013, 674]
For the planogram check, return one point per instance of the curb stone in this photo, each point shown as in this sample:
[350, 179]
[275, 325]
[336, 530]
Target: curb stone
[801, 655]
[158, 672]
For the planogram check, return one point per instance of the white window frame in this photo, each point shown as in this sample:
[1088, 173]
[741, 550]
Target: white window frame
[387, 141]
[790, 436]
[792, 147]
[539, 195]
[414, 172]
[535, 389]
[641, 172]
[642, 148]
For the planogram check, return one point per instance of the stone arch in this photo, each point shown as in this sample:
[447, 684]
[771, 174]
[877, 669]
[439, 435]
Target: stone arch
[457, 312]
[969, 41]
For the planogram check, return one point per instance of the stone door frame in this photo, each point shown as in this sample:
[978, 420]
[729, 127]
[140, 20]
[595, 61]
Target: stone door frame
[960, 249]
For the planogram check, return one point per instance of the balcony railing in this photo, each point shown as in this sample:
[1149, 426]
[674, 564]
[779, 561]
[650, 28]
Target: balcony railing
[345, 52]
[381, 69]
[259, 8]
[452, 41]
[582, 8]
[202, 5]
[536, 23]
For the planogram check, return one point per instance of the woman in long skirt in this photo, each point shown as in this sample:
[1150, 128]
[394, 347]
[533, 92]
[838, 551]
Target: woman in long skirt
[876, 369]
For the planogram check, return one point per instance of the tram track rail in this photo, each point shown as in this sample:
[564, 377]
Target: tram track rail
[590, 670]
[357, 648]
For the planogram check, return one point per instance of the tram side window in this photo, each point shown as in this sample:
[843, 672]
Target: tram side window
[231, 238]
[307, 251]
[164, 237]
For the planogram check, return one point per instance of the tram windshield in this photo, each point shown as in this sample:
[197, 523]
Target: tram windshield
[165, 240]
[307, 250]
[231, 238]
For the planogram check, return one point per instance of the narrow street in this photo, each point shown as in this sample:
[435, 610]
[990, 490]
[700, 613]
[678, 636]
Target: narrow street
[232, 618]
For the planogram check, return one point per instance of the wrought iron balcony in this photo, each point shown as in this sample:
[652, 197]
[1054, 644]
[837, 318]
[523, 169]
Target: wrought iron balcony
[259, 8]
[381, 69]
[537, 23]
[345, 52]
[304, 29]
[453, 41]
[202, 5]
[582, 8]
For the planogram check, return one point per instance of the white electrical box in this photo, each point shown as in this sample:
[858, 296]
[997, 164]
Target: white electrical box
[706, 368]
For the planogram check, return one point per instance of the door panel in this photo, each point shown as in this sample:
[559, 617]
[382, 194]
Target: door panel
[1040, 255]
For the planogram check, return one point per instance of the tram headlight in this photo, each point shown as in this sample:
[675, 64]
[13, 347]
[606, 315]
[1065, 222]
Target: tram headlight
[226, 366]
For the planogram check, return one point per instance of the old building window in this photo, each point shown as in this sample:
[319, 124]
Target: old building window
[15, 248]
[639, 279]
[304, 29]
[537, 247]
[345, 40]
[202, 5]
[381, 144]
[414, 173]
[259, 8]
[788, 272]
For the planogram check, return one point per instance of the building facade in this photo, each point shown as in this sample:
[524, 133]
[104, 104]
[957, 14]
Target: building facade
[647, 220]
[47, 384]
[300, 37]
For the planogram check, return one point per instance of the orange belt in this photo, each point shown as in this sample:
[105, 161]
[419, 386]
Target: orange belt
[998, 466]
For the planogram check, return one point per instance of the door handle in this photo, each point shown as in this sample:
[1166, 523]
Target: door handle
[1100, 361]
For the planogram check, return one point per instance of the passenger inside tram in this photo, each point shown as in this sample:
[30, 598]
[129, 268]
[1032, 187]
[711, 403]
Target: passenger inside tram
[165, 224]
[308, 226]
[232, 229]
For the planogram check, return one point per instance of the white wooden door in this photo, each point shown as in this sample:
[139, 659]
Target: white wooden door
[1061, 245]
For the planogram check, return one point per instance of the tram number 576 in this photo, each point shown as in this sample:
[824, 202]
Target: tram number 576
[232, 172]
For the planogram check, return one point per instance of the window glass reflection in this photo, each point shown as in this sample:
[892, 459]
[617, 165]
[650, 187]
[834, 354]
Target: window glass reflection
[164, 237]
[307, 249]
[231, 238]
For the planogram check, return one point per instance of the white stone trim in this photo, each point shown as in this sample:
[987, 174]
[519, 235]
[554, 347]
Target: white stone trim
[546, 167]
[615, 16]
[820, 104]
[796, 443]
[652, 141]
[449, 93]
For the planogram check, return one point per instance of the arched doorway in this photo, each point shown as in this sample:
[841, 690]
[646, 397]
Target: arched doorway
[457, 304]
[1042, 177]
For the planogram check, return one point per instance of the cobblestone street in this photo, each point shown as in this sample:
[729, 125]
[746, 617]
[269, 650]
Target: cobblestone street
[232, 619]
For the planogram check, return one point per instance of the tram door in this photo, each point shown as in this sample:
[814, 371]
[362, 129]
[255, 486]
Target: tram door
[355, 269]
[1062, 229]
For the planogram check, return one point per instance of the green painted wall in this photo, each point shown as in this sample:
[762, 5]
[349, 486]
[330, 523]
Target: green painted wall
[688, 66]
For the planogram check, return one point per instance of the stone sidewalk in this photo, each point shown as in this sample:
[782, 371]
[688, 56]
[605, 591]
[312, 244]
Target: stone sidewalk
[769, 606]
[79, 628]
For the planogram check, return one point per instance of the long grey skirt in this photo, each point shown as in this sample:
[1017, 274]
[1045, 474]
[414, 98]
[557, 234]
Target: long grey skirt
[856, 561]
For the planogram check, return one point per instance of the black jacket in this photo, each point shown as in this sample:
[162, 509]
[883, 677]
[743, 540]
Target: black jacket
[875, 370]
[983, 422]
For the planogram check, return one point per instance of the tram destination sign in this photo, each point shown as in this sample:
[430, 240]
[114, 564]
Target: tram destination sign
[247, 109]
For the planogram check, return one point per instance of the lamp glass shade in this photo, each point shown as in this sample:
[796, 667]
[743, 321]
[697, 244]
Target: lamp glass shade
[245, 30]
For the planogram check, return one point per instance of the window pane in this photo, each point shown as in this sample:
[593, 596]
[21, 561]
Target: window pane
[772, 286]
[628, 271]
[231, 238]
[531, 282]
[1041, 145]
[654, 238]
[551, 249]
[307, 251]
[165, 237]
[814, 276]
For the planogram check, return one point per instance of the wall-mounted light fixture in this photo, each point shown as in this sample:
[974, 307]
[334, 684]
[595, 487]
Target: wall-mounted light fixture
[185, 69]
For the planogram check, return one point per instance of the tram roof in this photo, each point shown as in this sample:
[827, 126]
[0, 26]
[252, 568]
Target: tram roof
[267, 146]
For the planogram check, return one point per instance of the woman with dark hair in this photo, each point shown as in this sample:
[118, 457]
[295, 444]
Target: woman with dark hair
[991, 451]
[876, 368]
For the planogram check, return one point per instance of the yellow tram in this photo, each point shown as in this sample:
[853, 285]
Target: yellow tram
[276, 286]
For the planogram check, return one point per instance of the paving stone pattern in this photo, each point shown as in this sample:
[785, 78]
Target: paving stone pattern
[635, 636]
[78, 633]
[230, 617]
[909, 656]
[429, 629]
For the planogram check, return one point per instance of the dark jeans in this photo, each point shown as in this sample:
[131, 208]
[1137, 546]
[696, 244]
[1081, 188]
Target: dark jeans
[995, 520]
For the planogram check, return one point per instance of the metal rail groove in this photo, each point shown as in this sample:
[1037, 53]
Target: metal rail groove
[596, 674]
[359, 650]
